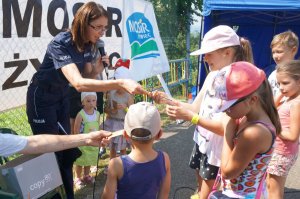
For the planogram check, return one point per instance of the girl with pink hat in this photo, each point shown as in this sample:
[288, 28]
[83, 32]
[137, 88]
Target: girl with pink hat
[221, 46]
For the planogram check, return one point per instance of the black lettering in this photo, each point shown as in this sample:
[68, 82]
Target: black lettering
[36, 63]
[10, 82]
[114, 22]
[54, 5]
[76, 7]
[22, 25]
[112, 56]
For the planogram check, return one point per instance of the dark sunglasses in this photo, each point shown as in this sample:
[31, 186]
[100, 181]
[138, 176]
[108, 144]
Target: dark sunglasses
[238, 101]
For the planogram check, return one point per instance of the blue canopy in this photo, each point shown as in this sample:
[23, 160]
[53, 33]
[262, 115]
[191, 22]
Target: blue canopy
[257, 20]
[271, 5]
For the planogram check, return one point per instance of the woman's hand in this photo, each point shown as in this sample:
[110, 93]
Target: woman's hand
[97, 138]
[132, 87]
[105, 59]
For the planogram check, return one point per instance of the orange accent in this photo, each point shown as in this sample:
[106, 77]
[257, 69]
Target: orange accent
[249, 183]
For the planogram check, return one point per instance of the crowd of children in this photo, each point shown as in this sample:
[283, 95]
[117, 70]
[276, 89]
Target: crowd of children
[254, 118]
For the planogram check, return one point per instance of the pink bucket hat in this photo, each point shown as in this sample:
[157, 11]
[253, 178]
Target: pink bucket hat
[218, 37]
[142, 115]
[234, 82]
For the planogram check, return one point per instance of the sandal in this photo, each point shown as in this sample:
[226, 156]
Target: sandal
[78, 183]
[88, 179]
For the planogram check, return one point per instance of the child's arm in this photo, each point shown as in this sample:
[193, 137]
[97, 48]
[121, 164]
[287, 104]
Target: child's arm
[294, 132]
[166, 184]
[115, 170]
[77, 123]
[236, 157]
[175, 110]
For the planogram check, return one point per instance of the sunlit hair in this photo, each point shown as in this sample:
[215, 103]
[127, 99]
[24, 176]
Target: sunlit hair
[87, 13]
[242, 52]
[266, 99]
[287, 38]
[290, 68]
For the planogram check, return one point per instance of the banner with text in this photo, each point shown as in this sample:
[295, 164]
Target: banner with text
[29, 25]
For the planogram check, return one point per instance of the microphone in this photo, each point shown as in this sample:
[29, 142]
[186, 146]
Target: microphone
[100, 46]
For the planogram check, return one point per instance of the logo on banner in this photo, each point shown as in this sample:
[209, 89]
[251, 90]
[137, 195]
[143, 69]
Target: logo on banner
[141, 37]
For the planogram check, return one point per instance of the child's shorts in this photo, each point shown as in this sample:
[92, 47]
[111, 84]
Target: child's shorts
[198, 161]
[280, 165]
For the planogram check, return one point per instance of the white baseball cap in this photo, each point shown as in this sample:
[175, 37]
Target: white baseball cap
[216, 38]
[142, 115]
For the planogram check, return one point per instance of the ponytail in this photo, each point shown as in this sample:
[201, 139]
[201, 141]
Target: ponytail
[243, 52]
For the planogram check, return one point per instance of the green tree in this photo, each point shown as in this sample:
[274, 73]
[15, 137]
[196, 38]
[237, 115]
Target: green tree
[173, 18]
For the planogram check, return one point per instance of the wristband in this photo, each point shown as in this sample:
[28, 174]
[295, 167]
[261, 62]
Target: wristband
[195, 119]
[126, 109]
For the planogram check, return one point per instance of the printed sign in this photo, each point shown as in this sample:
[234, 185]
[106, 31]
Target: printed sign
[28, 27]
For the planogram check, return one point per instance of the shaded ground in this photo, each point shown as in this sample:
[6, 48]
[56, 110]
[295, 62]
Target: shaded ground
[177, 142]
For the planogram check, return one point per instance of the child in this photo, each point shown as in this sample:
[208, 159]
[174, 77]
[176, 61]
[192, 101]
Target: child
[145, 172]
[117, 103]
[287, 147]
[87, 120]
[250, 130]
[284, 48]
[221, 46]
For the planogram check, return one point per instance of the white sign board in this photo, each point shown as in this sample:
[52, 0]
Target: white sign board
[29, 25]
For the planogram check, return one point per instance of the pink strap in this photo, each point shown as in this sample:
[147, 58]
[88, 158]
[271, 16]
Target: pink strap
[217, 181]
[260, 186]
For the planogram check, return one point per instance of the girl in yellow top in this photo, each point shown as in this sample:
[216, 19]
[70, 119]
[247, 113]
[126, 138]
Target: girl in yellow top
[87, 120]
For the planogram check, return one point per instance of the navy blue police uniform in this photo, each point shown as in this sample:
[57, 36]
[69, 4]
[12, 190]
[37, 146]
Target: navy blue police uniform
[47, 96]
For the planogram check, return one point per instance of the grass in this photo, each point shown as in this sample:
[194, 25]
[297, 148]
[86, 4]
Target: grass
[16, 119]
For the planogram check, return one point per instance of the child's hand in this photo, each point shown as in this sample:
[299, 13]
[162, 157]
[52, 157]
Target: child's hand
[160, 97]
[121, 106]
[176, 111]
[230, 125]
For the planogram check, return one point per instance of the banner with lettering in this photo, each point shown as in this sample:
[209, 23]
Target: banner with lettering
[141, 41]
[29, 25]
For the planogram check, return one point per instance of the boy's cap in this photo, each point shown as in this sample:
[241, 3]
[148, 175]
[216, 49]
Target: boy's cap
[142, 115]
[84, 94]
[122, 73]
[218, 37]
[234, 82]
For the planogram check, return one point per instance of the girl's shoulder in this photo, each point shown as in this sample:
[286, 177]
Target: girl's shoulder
[295, 104]
[256, 129]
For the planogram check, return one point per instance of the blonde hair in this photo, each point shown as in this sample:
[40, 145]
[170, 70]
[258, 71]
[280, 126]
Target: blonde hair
[242, 52]
[85, 14]
[291, 68]
[287, 38]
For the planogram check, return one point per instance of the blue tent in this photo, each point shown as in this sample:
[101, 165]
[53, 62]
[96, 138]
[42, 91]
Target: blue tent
[257, 20]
